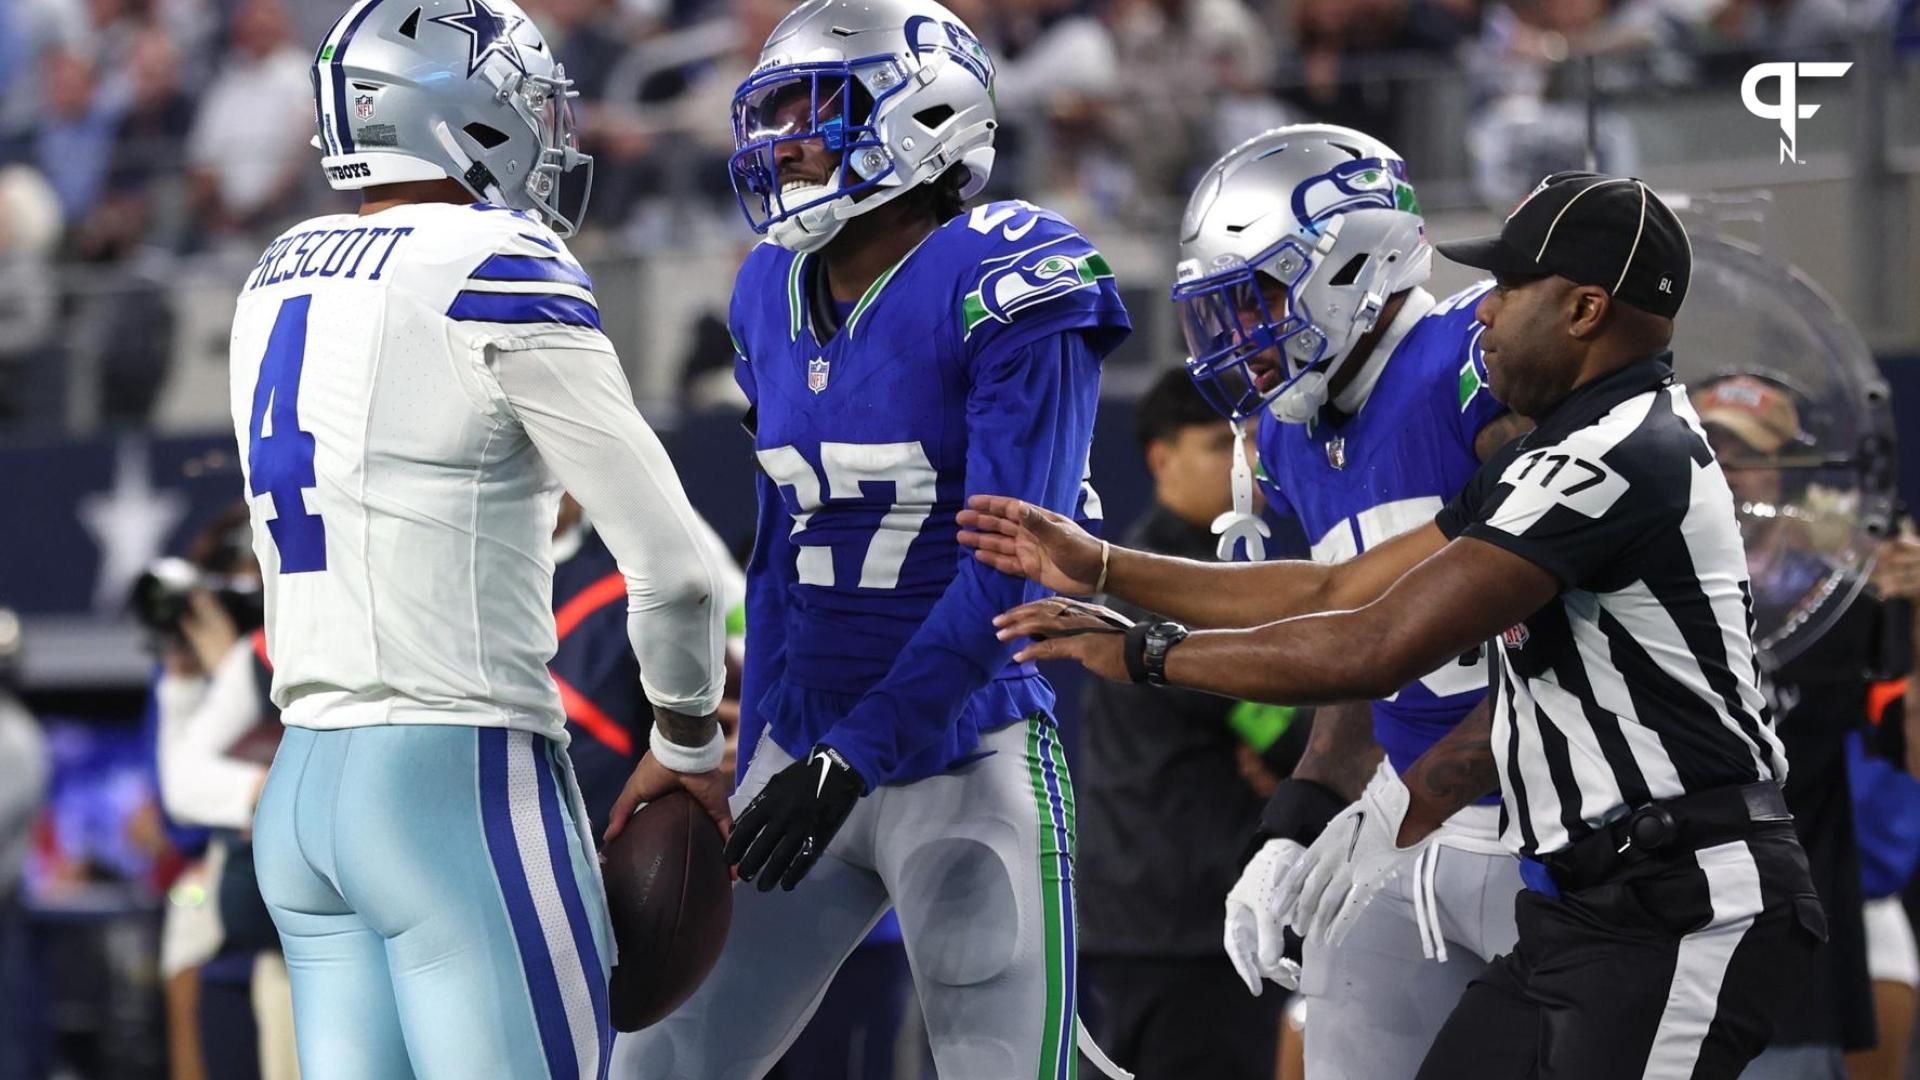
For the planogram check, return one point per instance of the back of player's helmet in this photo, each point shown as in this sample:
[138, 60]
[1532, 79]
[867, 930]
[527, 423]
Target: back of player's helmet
[900, 90]
[410, 90]
[1318, 217]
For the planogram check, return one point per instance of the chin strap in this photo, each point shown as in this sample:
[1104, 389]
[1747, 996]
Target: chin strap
[1240, 525]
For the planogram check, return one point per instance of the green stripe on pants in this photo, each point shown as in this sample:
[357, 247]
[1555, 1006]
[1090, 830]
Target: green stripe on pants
[1058, 1059]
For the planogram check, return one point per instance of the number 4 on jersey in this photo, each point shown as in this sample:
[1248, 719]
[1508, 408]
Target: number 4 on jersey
[279, 454]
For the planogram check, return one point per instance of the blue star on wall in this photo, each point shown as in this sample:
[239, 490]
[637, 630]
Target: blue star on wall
[491, 33]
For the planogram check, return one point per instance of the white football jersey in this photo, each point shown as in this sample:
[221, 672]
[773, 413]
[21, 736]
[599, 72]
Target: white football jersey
[402, 512]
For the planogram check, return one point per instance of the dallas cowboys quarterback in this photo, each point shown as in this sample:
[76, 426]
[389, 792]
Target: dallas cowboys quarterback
[898, 351]
[408, 384]
[1303, 253]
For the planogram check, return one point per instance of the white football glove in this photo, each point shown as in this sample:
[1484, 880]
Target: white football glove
[1354, 858]
[1255, 932]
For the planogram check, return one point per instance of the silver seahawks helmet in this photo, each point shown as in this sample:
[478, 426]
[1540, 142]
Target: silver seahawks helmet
[1323, 215]
[900, 90]
[467, 90]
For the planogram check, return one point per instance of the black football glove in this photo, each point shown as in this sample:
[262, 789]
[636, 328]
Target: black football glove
[787, 827]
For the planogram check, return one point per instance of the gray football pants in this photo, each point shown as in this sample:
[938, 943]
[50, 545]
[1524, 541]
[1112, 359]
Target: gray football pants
[977, 861]
[1375, 1003]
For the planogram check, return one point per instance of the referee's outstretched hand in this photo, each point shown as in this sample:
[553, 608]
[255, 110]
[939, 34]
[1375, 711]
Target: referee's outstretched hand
[1015, 537]
[1062, 629]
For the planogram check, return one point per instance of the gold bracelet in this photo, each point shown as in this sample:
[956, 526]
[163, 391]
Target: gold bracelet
[1106, 552]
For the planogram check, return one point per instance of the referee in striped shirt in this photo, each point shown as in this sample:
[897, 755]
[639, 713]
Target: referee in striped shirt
[1669, 911]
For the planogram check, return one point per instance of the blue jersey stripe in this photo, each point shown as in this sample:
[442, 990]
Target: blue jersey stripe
[532, 268]
[558, 850]
[543, 985]
[340, 77]
[548, 244]
[523, 308]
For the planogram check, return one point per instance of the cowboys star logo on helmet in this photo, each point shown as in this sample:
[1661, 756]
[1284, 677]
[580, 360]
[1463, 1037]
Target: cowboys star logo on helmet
[491, 33]
[465, 90]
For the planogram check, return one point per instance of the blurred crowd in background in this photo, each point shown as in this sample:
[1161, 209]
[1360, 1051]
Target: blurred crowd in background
[138, 133]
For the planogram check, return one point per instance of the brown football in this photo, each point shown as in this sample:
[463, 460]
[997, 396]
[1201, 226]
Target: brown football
[671, 899]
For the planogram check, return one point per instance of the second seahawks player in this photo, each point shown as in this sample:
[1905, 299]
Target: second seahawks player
[1303, 253]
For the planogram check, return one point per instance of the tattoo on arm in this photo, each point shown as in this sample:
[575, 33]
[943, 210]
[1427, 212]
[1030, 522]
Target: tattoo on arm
[684, 730]
[1452, 773]
[1341, 753]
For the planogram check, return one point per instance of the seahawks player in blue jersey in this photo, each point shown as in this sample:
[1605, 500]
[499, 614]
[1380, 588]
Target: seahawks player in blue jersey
[898, 351]
[1303, 253]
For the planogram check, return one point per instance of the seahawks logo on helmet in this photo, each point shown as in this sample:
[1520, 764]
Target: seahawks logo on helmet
[1369, 183]
[960, 44]
[1017, 282]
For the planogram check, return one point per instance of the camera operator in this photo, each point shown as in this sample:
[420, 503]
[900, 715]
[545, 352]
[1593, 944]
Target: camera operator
[203, 613]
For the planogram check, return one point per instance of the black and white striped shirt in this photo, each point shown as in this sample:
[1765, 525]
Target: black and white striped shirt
[1639, 682]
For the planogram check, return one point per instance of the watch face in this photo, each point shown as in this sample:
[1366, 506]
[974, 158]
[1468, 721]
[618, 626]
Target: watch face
[1161, 636]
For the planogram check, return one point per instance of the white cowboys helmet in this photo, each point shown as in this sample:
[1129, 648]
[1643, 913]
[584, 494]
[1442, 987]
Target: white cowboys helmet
[901, 90]
[1326, 215]
[468, 90]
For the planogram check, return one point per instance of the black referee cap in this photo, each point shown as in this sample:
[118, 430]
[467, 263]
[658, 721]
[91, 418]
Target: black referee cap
[1610, 231]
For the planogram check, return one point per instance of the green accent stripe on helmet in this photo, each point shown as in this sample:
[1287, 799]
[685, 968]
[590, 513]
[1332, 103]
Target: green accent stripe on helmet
[1059, 1059]
[1404, 198]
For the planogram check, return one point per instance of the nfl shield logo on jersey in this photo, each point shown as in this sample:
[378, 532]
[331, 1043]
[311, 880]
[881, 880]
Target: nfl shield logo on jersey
[817, 374]
[1337, 452]
[363, 106]
[1515, 636]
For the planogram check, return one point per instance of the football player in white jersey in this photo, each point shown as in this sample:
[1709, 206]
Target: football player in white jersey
[411, 387]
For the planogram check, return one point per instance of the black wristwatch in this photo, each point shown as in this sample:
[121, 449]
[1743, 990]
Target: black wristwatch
[1146, 650]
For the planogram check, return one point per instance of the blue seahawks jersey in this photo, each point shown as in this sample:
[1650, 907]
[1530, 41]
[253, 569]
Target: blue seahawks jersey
[970, 367]
[1390, 469]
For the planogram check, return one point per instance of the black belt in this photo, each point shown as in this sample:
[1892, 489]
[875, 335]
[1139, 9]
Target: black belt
[1663, 829]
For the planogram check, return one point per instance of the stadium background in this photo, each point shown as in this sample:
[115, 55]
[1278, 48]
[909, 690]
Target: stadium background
[149, 149]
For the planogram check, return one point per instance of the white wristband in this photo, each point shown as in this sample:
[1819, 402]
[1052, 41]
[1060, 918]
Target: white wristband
[688, 759]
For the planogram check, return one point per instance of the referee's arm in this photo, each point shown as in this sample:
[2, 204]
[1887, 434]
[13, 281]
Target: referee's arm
[1033, 542]
[1466, 593]
[1463, 595]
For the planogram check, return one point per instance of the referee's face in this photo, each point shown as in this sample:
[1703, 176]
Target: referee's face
[1532, 359]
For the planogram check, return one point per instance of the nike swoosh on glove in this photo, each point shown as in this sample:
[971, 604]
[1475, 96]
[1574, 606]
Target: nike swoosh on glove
[787, 827]
[1255, 935]
[1324, 892]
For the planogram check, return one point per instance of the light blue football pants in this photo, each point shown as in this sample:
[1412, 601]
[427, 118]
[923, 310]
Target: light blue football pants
[439, 903]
